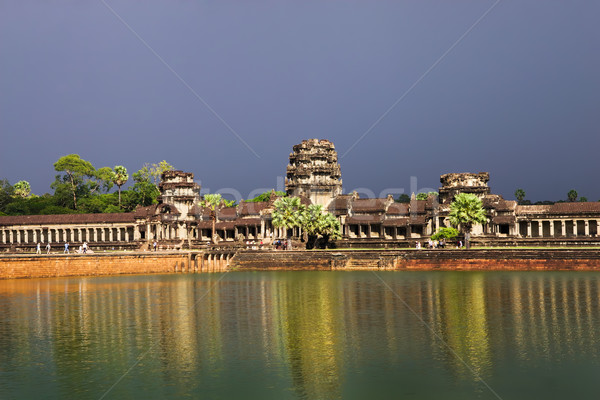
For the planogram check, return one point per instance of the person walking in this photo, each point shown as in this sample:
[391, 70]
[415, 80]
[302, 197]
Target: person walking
[38, 249]
[84, 247]
[48, 248]
[66, 248]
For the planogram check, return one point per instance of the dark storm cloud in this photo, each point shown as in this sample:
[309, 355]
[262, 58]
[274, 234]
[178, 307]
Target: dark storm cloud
[517, 96]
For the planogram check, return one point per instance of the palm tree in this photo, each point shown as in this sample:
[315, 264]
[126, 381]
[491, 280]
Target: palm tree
[519, 195]
[287, 213]
[119, 178]
[572, 195]
[317, 223]
[214, 203]
[467, 210]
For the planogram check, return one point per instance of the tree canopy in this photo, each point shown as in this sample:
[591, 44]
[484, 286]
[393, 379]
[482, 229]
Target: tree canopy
[465, 211]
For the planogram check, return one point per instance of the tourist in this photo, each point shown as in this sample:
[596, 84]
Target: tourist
[154, 245]
[66, 248]
[84, 247]
[48, 248]
[38, 249]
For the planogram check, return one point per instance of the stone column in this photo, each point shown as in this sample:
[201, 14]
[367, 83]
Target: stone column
[3, 237]
[35, 236]
[103, 234]
[574, 227]
[262, 229]
[587, 228]
[552, 228]
[528, 228]
[127, 234]
[136, 232]
[18, 235]
[563, 228]
[118, 234]
[42, 235]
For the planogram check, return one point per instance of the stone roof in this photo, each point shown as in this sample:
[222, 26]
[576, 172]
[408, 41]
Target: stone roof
[369, 205]
[252, 208]
[227, 213]
[570, 208]
[67, 219]
[396, 221]
[364, 219]
[398, 209]
[341, 204]
[504, 219]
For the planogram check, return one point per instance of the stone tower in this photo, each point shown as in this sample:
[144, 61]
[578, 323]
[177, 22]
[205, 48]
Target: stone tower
[466, 182]
[314, 172]
[178, 189]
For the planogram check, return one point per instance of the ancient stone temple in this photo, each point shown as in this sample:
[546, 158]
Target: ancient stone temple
[314, 172]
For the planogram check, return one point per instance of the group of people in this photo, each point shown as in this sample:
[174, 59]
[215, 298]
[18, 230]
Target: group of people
[434, 244]
[83, 249]
[280, 245]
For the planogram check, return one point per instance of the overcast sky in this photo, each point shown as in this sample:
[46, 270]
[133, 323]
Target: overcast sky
[224, 89]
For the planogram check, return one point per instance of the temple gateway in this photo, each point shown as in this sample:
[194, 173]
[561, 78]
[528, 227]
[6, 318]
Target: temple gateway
[314, 175]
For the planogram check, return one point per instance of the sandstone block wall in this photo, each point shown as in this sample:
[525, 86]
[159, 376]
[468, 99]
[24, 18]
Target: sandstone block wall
[525, 260]
[43, 266]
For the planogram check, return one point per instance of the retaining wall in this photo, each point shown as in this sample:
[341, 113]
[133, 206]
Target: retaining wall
[43, 266]
[513, 259]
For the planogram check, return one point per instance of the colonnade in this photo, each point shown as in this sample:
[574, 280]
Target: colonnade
[27, 234]
[559, 228]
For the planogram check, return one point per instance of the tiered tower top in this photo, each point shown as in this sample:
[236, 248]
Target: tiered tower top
[465, 182]
[314, 172]
[179, 189]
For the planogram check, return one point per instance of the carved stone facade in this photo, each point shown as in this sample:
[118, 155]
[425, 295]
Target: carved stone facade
[314, 172]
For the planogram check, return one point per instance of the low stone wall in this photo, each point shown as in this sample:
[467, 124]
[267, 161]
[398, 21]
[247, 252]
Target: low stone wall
[43, 266]
[448, 259]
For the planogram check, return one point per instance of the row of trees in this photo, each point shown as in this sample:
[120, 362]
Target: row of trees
[81, 188]
[572, 196]
[319, 226]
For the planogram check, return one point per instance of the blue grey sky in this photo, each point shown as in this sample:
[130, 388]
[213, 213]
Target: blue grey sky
[510, 87]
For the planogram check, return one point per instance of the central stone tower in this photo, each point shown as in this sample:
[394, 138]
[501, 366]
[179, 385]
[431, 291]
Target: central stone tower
[314, 172]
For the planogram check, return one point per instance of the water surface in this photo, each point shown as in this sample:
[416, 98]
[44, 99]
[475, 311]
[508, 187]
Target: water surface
[303, 335]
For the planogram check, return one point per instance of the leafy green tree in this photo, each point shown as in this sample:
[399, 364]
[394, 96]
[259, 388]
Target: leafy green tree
[520, 195]
[214, 202]
[465, 211]
[445, 233]
[22, 189]
[266, 196]
[583, 199]
[145, 191]
[572, 195]
[287, 214]
[403, 198]
[6, 194]
[156, 170]
[120, 177]
[424, 196]
[421, 196]
[80, 177]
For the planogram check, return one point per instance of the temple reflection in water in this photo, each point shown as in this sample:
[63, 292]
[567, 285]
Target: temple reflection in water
[308, 334]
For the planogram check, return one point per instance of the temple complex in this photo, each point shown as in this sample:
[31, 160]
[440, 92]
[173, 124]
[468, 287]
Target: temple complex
[313, 174]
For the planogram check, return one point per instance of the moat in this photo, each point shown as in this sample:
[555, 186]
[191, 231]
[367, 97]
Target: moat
[303, 335]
